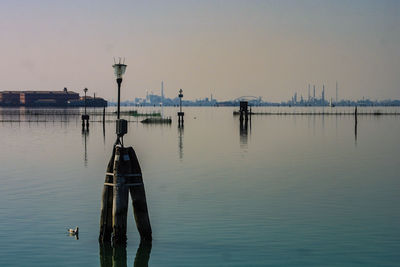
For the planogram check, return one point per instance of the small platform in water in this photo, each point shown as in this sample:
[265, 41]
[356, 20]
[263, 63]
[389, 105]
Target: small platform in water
[157, 120]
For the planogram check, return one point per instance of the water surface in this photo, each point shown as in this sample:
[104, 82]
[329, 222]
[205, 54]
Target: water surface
[286, 190]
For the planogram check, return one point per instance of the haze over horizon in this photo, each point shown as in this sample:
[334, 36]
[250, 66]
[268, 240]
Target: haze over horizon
[225, 48]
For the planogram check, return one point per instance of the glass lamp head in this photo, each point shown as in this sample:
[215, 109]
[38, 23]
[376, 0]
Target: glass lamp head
[119, 70]
[85, 90]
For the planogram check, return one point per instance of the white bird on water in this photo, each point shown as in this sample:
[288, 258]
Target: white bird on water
[74, 231]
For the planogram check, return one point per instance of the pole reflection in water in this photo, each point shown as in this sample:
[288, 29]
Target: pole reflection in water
[180, 143]
[243, 130]
[143, 255]
[104, 133]
[355, 130]
[355, 126]
[85, 135]
[117, 256]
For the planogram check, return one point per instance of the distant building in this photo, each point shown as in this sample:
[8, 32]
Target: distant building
[42, 98]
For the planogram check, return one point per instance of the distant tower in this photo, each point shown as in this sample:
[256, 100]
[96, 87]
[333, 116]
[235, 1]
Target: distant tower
[314, 92]
[323, 94]
[337, 99]
[162, 92]
[309, 93]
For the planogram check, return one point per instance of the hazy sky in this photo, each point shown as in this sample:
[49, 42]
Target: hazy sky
[227, 48]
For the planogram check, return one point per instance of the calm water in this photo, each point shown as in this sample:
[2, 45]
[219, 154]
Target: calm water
[289, 190]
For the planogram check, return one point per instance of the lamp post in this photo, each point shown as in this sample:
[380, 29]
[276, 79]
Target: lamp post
[123, 176]
[122, 125]
[119, 70]
[85, 90]
[85, 117]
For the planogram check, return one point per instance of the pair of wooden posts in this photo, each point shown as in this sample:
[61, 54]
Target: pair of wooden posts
[123, 176]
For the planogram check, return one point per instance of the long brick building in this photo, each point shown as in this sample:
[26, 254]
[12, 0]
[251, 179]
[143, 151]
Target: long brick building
[37, 98]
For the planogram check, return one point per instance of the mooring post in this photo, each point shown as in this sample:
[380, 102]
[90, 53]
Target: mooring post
[104, 115]
[138, 197]
[107, 203]
[243, 111]
[106, 255]
[120, 195]
[180, 113]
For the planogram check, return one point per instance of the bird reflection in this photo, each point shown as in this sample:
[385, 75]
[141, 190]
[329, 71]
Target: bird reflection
[117, 257]
[180, 143]
[85, 135]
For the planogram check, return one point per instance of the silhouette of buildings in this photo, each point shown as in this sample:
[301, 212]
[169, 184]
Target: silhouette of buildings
[47, 98]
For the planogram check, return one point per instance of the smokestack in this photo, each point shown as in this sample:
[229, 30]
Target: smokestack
[162, 92]
[337, 93]
[314, 92]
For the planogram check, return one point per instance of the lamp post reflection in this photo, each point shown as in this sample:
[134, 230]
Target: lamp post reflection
[117, 257]
[85, 135]
[180, 142]
[355, 126]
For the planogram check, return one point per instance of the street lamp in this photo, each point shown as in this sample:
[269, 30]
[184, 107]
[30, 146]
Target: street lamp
[119, 70]
[180, 99]
[85, 117]
[122, 125]
[85, 90]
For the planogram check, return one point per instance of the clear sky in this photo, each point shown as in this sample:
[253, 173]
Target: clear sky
[227, 48]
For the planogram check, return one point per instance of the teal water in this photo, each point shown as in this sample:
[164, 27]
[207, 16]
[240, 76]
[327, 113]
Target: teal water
[289, 191]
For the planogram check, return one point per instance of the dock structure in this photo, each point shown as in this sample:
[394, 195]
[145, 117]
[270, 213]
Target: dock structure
[180, 113]
[123, 177]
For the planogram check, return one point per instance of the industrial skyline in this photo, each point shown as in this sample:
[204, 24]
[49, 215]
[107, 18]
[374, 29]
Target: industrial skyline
[154, 99]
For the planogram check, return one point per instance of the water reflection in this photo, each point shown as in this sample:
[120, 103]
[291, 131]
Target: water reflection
[104, 133]
[85, 135]
[117, 256]
[355, 129]
[180, 142]
[143, 255]
[243, 131]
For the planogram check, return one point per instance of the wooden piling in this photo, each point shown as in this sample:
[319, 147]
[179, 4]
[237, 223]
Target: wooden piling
[138, 196]
[104, 115]
[119, 256]
[120, 195]
[123, 176]
[107, 204]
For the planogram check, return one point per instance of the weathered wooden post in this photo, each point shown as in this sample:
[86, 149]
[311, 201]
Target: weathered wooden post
[123, 176]
[180, 113]
[243, 113]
